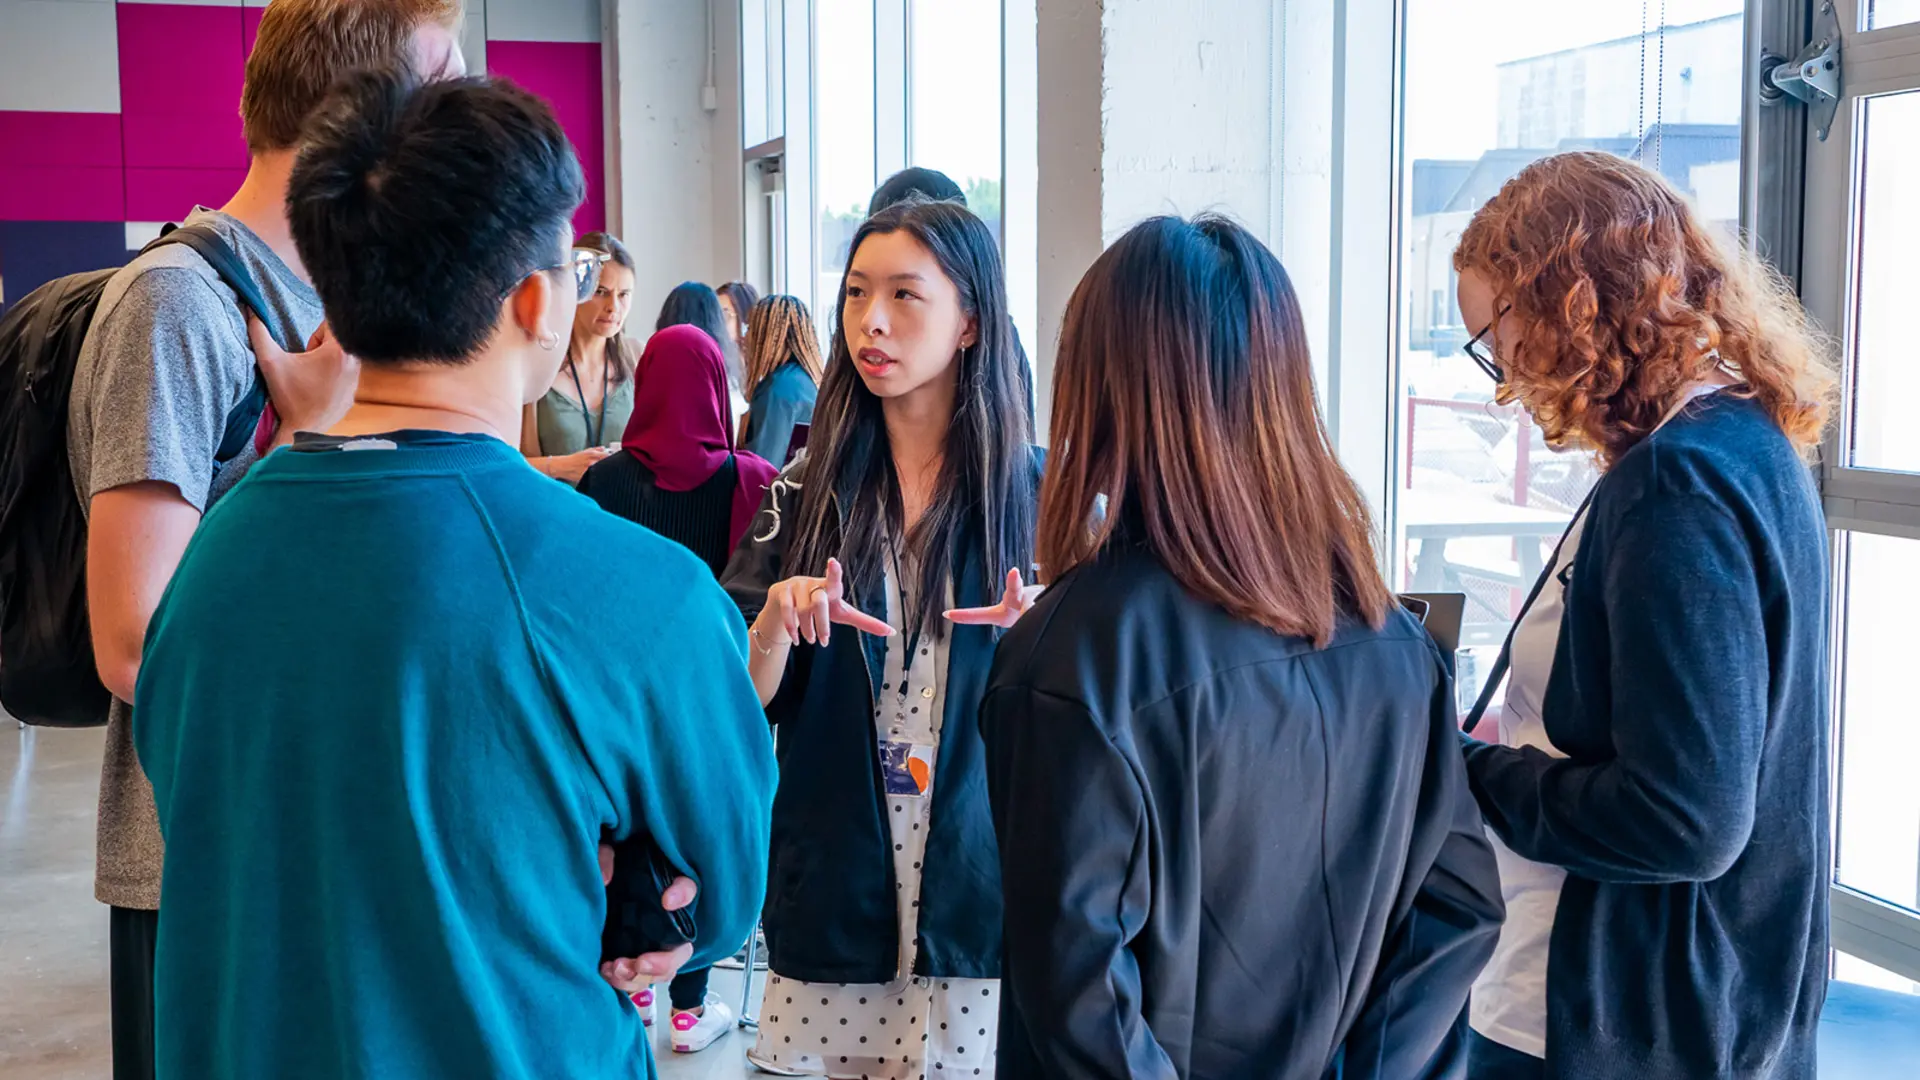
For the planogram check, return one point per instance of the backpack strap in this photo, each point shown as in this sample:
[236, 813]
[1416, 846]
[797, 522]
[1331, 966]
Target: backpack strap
[244, 419]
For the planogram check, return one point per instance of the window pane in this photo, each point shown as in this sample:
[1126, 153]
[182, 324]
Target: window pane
[954, 88]
[1491, 86]
[843, 139]
[1877, 842]
[1886, 381]
[1880, 14]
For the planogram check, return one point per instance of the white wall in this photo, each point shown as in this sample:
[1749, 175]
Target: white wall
[675, 207]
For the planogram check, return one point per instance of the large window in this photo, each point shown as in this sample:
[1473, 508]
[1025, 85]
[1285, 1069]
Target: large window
[1492, 86]
[843, 101]
[954, 98]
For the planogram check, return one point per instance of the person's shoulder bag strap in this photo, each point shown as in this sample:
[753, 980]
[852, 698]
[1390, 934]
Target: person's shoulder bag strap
[1499, 672]
[206, 243]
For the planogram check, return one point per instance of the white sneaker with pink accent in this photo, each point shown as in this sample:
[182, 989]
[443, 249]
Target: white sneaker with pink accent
[694, 1032]
[643, 1000]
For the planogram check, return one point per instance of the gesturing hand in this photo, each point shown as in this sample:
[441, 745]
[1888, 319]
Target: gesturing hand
[1013, 604]
[807, 607]
[310, 391]
[635, 973]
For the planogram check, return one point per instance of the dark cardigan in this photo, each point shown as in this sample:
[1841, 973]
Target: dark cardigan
[1689, 693]
[832, 907]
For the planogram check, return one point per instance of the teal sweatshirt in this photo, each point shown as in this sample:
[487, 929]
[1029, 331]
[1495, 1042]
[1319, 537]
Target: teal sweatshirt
[396, 694]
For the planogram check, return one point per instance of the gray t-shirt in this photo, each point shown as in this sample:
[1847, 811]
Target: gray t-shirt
[165, 360]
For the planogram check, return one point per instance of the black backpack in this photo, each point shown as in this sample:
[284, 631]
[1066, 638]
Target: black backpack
[47, 671]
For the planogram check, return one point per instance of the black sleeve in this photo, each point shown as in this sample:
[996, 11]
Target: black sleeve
[1074, 875]
[1413, 1024]
[757, 564]
[1689, 680]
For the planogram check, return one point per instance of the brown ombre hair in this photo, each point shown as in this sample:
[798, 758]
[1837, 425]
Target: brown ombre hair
[1183, 392]
[1620, 298]
[779, 330]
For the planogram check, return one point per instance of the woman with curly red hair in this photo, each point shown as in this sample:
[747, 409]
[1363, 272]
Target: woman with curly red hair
[1658, 795]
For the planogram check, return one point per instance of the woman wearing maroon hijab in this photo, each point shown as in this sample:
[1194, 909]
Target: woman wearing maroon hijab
[681, 476]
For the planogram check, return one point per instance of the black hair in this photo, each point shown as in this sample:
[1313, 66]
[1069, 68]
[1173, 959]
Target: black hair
[692, 303]
[985, 495]
[930, 184]
[417, 208]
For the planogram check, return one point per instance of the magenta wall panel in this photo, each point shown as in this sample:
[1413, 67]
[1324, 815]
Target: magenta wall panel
[159, 140]
[567, 75]
[180, 58]
[169, 194]
[60, 138]
[249, 28]
[61, 193]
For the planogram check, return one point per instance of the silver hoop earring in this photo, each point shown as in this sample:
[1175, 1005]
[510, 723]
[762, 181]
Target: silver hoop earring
[549, 341]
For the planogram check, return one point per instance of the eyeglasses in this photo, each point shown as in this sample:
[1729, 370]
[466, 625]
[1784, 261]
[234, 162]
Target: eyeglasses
[1482, 355]
[585, 264]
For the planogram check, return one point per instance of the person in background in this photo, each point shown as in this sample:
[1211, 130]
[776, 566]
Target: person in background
[1659, 790]
[915, 182]
[682, 477]
[574, 423]
[915, 493]
[693, 304]
[417, 827]
[1216, 654]
[783, 375]
[169, 355]
[736, 300]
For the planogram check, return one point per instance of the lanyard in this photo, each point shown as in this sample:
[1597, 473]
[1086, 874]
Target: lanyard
[594, 431]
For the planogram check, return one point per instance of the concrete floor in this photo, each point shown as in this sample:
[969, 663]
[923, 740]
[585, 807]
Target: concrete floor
[53, 935]
[53, 942]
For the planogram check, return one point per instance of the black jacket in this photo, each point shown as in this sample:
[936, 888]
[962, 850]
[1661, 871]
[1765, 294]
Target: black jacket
[1689, 694]
[698, 520]
[831, 912]
[1228, 854]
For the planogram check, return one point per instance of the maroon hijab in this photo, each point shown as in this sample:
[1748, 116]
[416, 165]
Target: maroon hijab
[682, 428]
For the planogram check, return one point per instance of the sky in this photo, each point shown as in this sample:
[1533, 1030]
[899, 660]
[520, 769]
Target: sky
[1454, 48]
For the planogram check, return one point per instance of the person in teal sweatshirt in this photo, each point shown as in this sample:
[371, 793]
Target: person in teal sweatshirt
[390, 732]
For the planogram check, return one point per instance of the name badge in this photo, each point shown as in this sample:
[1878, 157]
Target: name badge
[906, 768]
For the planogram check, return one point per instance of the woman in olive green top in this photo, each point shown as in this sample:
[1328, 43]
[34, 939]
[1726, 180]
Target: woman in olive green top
[581, 418]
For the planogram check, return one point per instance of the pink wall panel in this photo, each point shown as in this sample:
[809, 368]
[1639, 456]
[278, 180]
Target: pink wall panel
[173, 141]
[61, 193]
[567, 75]
[180, 58]
[249, 28]
[169, 194]
[60, 138]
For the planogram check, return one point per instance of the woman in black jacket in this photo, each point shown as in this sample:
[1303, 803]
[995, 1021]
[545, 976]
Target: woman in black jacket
[1659, 790]
[915, 494]
[1235, 834]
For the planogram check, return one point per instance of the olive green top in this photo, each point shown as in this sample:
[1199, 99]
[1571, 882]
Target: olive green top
[563, 424]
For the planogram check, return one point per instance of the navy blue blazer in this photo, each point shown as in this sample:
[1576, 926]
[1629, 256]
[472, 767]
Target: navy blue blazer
[831, 913]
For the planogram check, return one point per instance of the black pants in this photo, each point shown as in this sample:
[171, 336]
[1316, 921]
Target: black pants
[131, 934]
[688, 990]
[1488, 1060]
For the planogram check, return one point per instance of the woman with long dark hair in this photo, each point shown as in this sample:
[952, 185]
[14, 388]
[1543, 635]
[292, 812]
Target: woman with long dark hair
[680, 475]
[570, 428]
[1659, 785]
[916, 494]
[783, 375]
[1235, 833]
[691, 303]
[737, 299]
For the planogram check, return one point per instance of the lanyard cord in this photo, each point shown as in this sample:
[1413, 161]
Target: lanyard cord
[594, 431]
